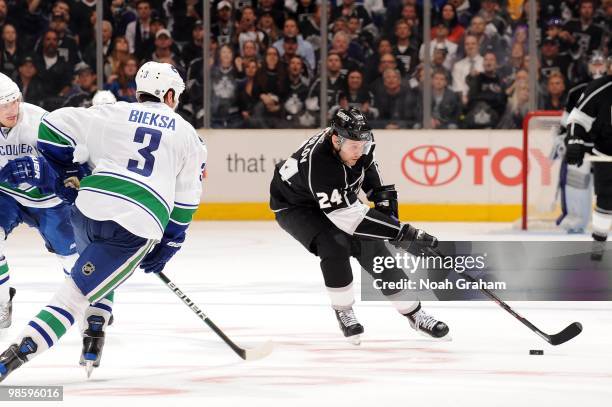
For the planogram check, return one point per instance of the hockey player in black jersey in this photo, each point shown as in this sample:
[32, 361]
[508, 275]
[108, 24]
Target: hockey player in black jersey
[575, 182]
[590, 131]
[314, 197]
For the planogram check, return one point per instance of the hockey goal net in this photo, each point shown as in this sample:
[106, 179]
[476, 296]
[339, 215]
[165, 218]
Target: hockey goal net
[540, 206]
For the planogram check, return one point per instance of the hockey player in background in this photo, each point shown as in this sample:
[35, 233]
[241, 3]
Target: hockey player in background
[314, 197]
[575, 182]
[25, 197]
[589, 127]
[133, 210]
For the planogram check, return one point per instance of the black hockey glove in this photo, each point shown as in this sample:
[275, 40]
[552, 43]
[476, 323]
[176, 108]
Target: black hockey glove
[385, 200]
[416, 241]
[574, 154]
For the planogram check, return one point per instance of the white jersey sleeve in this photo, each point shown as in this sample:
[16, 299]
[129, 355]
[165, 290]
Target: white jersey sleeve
[139, 155]
[20, 141]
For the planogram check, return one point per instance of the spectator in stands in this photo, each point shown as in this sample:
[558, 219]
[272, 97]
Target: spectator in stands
[441, 41]
[304, 50]
[348, 8]
[84, 88]
[163, 49]
[224, 29]
[184, 15]
[551, 61]
[11, 51]
[139, 31]
[555, 97]
[445, 104]
[271, 81]
[290, 46]
[248, 51]
[123, 83]
[387, 61]
[486, 41]
[247, 30]
[224, 100]
[121, 16]
[120, 52]
[470, 65]
[32, 90]
[193, 49]
[582, 33]
[83, 14]
[267, 7]
[520, 37]
[554, 29]
[396, 103]
[340, 45]
[357, 95]
[487, 96]
[67, 46]
[465, 10]
[294, 102]
[383, 46]
[311, 29]
[304, 10]
[517, 108]
[495, 17]
[89, 55]
[404, 48]
[336, 84]
[268, 26]
[29, 20]
[449, 18]
[515, 64]
[439, 60]
[53, 70]
[248, 95]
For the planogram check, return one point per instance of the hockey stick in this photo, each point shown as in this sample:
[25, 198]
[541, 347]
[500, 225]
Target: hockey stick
[570, 332]
[258, 352]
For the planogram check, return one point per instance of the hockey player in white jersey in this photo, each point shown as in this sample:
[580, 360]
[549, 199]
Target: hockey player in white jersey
[24, 195]
[133, 210]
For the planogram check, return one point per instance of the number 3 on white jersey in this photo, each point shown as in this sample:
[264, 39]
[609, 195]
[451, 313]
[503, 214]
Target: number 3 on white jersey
[326, 202]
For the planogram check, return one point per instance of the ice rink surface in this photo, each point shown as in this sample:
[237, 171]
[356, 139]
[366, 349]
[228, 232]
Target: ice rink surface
[257, 283]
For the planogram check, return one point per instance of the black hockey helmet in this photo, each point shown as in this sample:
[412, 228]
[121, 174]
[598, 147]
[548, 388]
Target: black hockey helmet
[351, 124]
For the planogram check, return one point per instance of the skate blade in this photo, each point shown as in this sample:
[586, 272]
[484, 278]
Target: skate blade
[89, 366]
[445, 338]
[354, 340]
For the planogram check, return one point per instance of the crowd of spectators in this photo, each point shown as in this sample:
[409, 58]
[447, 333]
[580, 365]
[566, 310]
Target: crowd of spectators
[265, 56]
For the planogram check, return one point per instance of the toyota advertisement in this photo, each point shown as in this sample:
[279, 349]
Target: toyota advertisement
[428, 167]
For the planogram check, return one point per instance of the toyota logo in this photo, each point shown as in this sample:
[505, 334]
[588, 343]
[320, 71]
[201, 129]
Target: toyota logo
[431, 165]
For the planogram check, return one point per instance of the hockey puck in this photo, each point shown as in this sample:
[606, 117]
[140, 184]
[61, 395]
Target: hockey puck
[536, 352]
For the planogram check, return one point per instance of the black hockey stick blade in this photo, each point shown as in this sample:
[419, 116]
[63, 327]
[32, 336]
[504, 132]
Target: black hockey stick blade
[570, 332]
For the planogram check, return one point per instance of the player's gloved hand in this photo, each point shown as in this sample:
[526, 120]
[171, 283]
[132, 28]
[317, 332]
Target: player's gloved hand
[32, 170]
[416, 241]
[156, 260]
[385, 200]
[67, 184]
[574, 155]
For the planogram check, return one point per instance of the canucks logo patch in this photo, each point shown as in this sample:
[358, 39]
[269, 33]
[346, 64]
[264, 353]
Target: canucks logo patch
[88, 268]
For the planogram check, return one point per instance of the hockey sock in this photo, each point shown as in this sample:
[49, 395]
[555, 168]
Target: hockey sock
[102, 308]
[403, 307]
[342, 298]
[52, 322]
[601, 223]
[4, 280]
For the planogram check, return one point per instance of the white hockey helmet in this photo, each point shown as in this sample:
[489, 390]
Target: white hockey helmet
[9, 91]
[156, 78]
[103, 97]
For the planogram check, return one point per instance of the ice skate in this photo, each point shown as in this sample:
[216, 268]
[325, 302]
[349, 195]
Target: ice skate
[6, 310]
[93, 343]
[427, 325]
[15, 356]
[351, 328]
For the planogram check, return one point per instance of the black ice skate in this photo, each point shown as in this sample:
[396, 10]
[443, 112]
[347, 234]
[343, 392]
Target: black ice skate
[599, 247]
[93, 343]
[351, 328]
[427, 325]
[6, 310]
[16, 356]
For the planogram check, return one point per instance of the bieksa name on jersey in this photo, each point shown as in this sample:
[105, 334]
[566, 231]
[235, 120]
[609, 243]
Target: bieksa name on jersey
[16, 150]
[152, 119]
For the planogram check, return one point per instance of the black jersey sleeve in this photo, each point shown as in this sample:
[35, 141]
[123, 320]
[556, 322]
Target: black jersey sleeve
[583, 115]
[372, 177]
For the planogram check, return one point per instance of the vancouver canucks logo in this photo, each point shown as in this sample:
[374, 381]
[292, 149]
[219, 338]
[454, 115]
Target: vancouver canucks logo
[88, 268]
